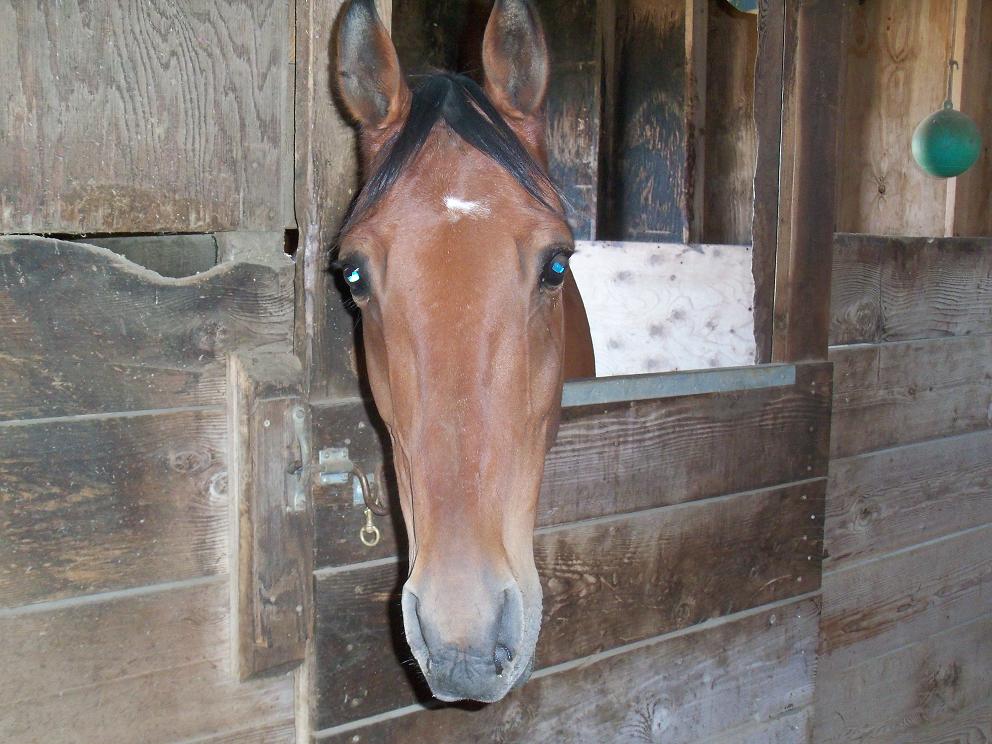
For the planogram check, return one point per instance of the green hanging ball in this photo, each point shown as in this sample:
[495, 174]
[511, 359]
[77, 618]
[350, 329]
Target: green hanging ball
[747, 6]
[946, 143]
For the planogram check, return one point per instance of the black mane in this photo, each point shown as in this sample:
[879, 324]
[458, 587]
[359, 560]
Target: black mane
[461, 104]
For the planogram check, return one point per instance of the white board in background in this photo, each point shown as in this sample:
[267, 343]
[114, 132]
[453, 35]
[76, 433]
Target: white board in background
[658, 307]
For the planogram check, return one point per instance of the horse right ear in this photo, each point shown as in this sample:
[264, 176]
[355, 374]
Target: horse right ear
[370, 80]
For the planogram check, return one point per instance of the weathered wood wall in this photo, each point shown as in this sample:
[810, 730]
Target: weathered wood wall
[906, 633]
[896, 74]
[115, 563]
[144, 117]
[645, 541]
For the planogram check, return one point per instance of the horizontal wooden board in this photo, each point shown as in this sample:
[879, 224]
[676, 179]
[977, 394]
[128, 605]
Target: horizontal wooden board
[873, 608]
[895, 498]
[690, 687]
[95, 504]
[896, 289]
[279, 732]
[616, 458]
[149, 667]
[86, 331]
[169, 255]
[147, 117]
[607, 582]
[910, 391]
[896, 696]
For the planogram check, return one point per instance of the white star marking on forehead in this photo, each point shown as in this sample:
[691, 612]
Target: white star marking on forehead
[458, 207]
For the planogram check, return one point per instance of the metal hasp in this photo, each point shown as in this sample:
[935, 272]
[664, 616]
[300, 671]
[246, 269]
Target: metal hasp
[298, 476]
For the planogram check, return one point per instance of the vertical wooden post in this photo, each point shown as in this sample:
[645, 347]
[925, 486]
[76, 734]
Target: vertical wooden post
[807, 183]
[768, 89]
[696, 27]
[268, 480]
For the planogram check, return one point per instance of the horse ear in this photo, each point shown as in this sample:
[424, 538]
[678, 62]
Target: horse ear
[515, 58]
[370, 80]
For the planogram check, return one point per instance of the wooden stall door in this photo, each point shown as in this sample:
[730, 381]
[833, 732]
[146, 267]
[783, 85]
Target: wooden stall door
[117, 476]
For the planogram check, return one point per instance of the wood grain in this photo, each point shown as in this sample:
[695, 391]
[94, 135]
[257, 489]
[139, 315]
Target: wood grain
[904, 597]
[616, 458]
[326, 181]
[731, 136]
[941, 683]
[110, 503]
[896, 74]
[143, 117]
[151, 668]
[910, 391]
[770, 78]
[684, 688]
[649, 173]
[896, 289]
[169, 255]
[270, 472]
[606, 583]
[894, 498]
[806, 207]
[970, 204]
[86, 331]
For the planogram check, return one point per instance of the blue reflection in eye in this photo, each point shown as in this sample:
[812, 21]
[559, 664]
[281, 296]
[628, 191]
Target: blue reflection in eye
[558, 267]
[353, 277]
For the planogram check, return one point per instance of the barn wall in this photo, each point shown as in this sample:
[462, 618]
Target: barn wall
[145, 117]
[896, 74]
[114, 586]
[650, 551]
[906, 632]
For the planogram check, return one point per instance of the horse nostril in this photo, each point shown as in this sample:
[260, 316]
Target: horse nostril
[501, 657]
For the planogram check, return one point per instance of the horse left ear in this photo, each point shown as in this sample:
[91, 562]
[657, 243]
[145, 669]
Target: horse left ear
[515, 59]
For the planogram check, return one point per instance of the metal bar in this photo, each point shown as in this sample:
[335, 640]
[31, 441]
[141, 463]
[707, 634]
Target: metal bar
[673, 384]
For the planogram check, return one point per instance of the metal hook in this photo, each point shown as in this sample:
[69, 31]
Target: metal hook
[372, 500]
[369, 534]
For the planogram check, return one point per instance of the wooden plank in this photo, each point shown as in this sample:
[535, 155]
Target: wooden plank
[697, 76]
[104, 503]
[896, 74]
[151, 667]
[169, 255]
[270, 476]
[970, 205]
[606, 583]
[731, 135]
[574, 106]
[123, 117]
[326, 181]
[909, 391]
[899, 696]
[86, 331]
[806, 211]
[688, 687]
[769, 84]
[856, 289]
[917, 288]
[648, 179]
[279, 732]
[615, 458]
[895, 498]
[874, 608]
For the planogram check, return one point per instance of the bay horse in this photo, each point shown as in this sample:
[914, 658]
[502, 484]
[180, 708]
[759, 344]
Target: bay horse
[456, 251]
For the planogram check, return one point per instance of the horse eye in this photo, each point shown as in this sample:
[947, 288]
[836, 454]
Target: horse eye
[555, 270]
[354, 277]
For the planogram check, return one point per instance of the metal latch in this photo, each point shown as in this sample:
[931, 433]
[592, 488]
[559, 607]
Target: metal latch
[336, 468]
[298, 477]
